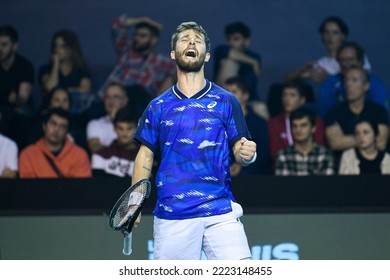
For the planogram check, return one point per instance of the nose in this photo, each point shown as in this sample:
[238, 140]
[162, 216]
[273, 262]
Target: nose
[192, 41]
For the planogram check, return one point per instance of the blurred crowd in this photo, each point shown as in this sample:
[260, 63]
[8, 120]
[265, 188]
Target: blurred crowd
[330, 116]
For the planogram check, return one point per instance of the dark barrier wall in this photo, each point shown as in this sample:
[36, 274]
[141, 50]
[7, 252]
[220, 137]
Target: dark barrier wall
[335, 217]
[258, 194]
[284, 32]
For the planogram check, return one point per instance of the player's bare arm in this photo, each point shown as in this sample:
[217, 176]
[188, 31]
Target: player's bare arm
[142, 169]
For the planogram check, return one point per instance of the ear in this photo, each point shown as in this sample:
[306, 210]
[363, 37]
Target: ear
[247, 42]
[173, 55]
[313, 129]
[367, 86]
[303, 100]
[207, 58]
[15, 46]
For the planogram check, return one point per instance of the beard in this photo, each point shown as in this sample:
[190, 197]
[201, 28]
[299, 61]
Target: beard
[191, 66]
[6, 56]
[142, 47]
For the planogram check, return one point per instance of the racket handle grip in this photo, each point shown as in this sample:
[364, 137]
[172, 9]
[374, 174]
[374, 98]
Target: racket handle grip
[127, 249]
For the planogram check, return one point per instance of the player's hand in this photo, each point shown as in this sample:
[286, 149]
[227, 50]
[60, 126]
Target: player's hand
[247, 149]
[235, 169]
[138, 220]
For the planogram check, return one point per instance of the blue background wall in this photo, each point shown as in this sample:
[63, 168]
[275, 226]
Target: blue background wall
[284, 32]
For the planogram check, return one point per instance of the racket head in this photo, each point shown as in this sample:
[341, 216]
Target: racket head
[129, 205]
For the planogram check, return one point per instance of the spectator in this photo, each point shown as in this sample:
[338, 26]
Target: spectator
[54, 156]
[16, 81]
[334, 31]
[16, 72]
[236, 59]
[257, 127]
[365, 158]
[137, 61]
[118, 158]
[8, 156]
[332, 90]
[340, 121]
[60, 98]
[100, 132]
[305, 156]
[67, 67]
[279, 131]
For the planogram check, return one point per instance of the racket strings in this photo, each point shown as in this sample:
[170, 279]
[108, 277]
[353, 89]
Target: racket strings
[129, 205]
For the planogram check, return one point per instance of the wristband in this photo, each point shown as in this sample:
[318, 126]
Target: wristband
[250, 161]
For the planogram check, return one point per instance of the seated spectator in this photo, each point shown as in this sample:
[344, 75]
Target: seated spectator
[16, 81]
[16, 72]
[118, 158]
[257, 127]
[332, 91]
[67, 68]
[279, 131]
[334, 31]
[236, 59]
[274, 98]
[54, 156]
[100, 132]
[8, 156]
[59, 98]
[365, 158]
[340, 121]
[138, 62]
[304, 156]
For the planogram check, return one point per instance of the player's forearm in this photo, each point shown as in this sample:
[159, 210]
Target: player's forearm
[143, 164]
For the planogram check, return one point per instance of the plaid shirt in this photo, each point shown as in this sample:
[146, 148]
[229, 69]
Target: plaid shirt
[134, 69]
[291, 162]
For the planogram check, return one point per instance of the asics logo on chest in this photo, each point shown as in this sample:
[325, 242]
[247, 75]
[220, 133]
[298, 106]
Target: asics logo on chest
[212, 104]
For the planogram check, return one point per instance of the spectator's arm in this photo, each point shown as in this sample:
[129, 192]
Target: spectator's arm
[85, 86]
[94, 145]
[8, 173]
[383, 137]
[50, 80]
[337, 140]
[240, 56]
[227, 68]
[120, 33]
[24, 92]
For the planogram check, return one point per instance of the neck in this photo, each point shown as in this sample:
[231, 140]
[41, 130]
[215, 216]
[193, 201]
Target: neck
[356, 106]
[190, 83]
[370, 152]
[53, 147]
[65, 65]
[7, 63]
[304, 147]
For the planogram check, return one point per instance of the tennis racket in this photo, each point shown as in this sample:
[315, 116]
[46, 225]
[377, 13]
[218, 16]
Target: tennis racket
[126, 210]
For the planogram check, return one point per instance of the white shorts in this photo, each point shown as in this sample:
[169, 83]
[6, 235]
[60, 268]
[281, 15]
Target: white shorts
[221, 237]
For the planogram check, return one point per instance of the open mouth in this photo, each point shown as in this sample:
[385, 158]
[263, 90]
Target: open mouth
[191, 53]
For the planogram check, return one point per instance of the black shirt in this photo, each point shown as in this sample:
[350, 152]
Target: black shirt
[367, 166]
[21, 70]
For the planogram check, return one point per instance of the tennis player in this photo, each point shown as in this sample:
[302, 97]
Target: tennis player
[194, 125]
